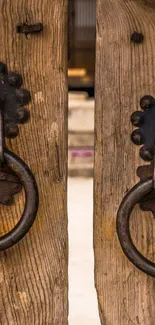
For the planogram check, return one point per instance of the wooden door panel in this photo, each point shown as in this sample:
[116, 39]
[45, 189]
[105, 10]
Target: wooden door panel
[33, 274]
[124, 73]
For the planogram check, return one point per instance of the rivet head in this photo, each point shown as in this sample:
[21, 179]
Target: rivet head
[22, 115]
[11, 130]
[146, 154]
[137, 38]
[15, 79]
[136, 137]
[137, 118]
[146, 101]
[23, 96]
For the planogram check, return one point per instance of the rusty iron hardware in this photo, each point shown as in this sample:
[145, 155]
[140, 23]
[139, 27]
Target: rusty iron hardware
[14, 173]
[132, 198]
[9, 184]
[137, 38]
[145, 134]
[148, 202]
[142, 193]
[13, 98]
[29, 29]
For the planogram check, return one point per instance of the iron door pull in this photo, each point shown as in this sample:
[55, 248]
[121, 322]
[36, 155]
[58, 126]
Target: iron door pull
[14, 173]
[142, 193]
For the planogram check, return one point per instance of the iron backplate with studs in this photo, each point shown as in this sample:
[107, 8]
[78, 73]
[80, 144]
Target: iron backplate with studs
[13, 98]
[144, 136]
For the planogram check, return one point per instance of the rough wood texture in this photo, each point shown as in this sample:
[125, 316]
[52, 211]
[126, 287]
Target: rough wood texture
[124, 73]
[33, 274]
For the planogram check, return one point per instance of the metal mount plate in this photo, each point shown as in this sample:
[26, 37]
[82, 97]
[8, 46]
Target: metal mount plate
[14, 98]
[12, 112]
[145, 135]
[148, 202]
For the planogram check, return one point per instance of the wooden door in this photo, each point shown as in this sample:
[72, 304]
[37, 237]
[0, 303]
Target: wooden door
[124, 73]
[33, 274]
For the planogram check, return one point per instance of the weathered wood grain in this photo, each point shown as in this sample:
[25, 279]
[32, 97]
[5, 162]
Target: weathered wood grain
[33, 274]
[124, 73]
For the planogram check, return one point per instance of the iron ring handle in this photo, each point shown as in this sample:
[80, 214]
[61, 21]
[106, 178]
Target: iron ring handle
[31, 201]
[123, 218]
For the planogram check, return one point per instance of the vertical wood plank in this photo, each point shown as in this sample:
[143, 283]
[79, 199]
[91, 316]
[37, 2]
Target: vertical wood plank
[33, 274]
[124, 73]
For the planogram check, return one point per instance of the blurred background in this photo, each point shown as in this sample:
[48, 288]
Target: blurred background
[83, 308]
[81, 49]
[81, 75]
